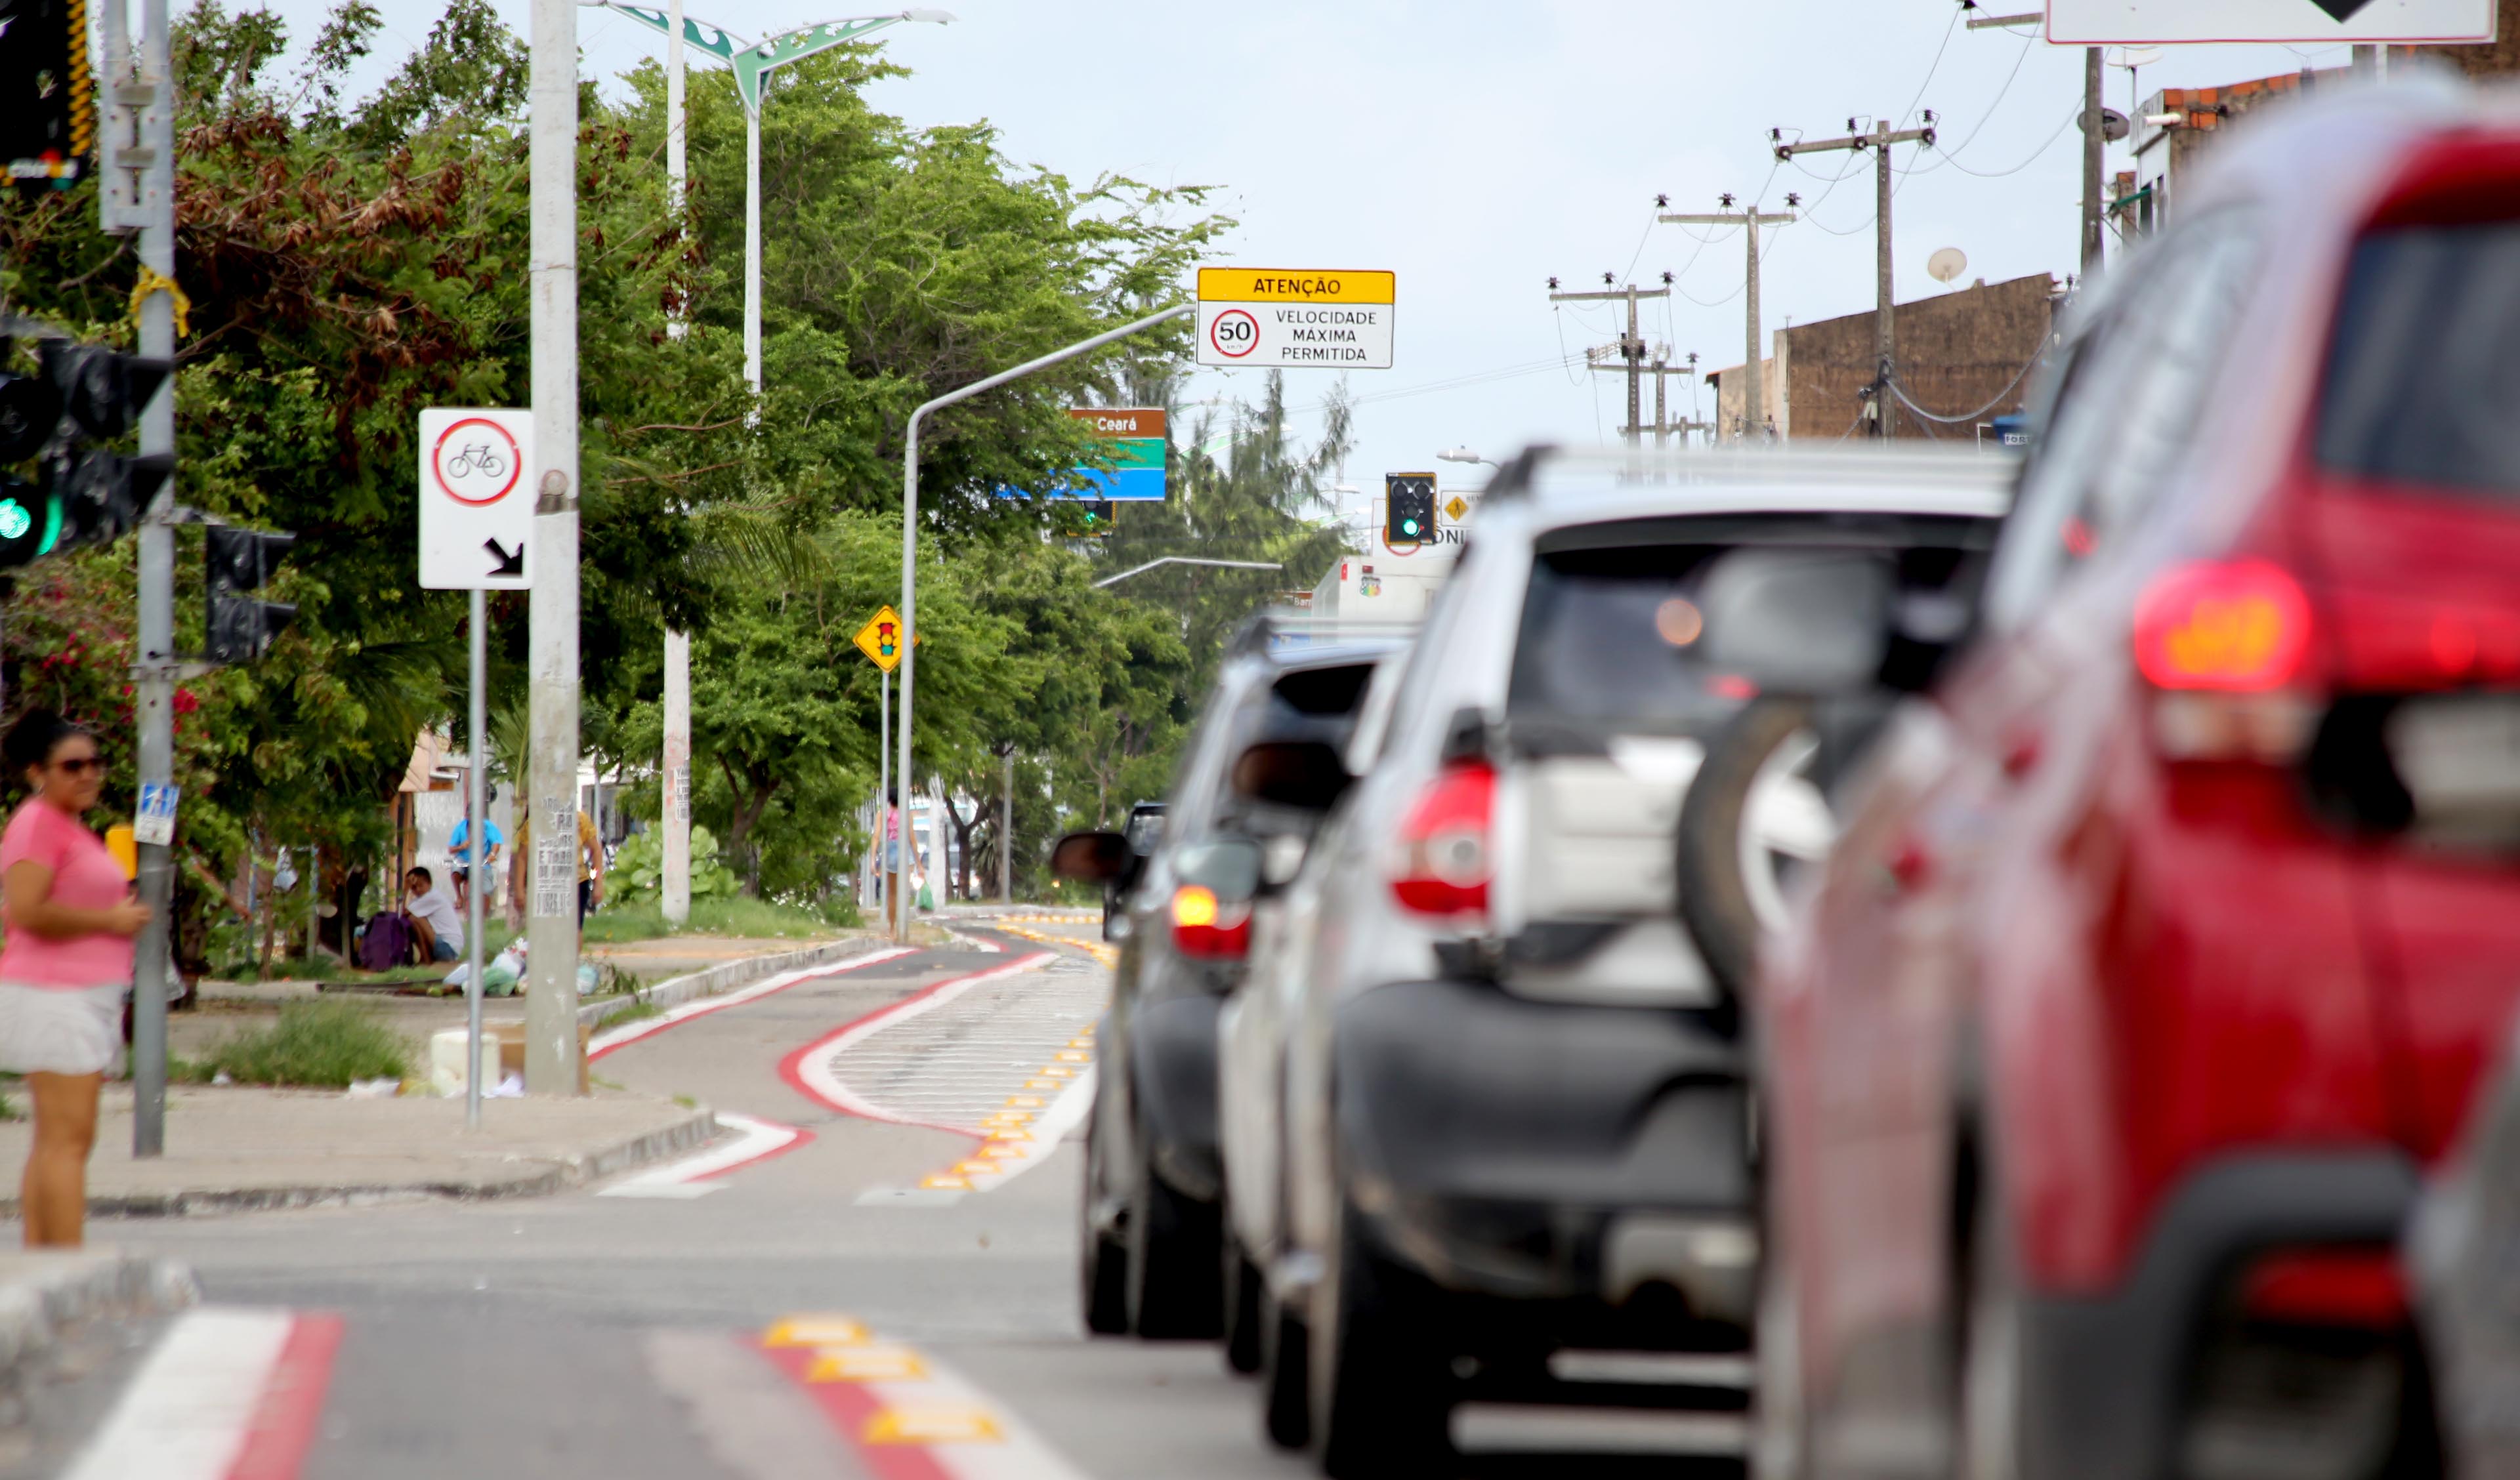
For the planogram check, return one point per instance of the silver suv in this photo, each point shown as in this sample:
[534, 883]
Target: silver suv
[1482, 1100]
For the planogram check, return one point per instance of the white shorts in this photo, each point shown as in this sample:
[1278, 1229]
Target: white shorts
[62, 1030]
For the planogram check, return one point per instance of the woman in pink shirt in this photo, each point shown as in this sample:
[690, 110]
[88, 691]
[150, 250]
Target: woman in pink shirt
[64, 964]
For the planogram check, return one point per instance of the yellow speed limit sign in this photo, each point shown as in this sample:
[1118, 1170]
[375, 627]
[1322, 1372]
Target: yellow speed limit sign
[1284, 318]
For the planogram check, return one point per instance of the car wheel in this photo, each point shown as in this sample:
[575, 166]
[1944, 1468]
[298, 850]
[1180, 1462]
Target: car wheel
[1175, 1288]
[1751, 814]
[1240, 1309]
[1381, 1389]
[1285, 1389]
[1103, 1262]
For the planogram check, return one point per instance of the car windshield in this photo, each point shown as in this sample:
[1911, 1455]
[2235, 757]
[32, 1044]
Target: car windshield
[2425, 369]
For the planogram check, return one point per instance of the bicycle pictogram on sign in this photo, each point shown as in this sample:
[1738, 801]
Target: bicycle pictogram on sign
[476, 462]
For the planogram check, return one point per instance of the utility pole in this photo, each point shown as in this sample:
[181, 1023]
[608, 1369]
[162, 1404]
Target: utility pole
[138, 153]
[551, 917]
[1007, 830]
[1885, 333]
[1630, 347]
[1754, 401]
[675, 881]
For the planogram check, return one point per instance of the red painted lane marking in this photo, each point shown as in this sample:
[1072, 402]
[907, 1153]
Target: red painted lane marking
[638, 1032]
[851, 1407]
[793, 1068]
[283, 1427]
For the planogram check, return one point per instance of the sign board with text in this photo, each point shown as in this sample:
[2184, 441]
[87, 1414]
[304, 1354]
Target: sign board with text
[476, 501]
[1281, 319]
[2113, 23]
[1134, 437]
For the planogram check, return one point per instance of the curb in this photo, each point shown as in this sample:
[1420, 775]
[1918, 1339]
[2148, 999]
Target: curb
[38, 1306]
[689, 1134]
[675, 991]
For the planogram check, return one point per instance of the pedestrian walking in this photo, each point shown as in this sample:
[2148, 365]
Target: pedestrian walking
[64, 964]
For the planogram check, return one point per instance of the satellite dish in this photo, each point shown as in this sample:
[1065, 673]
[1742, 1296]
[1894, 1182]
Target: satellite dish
[1946, 265]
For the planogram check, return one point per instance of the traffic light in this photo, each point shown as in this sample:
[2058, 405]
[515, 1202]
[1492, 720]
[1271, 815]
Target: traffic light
[236, 560]
[82, 494]
[1092, 517]
[1407, 508]
[47, 95]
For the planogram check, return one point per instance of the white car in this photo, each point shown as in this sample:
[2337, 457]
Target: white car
[1481, 1099]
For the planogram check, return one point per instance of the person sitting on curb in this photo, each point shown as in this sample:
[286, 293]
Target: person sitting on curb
[435, 924]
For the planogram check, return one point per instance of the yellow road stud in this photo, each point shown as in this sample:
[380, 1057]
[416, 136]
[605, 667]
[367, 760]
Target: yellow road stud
[867, 1364]
[815, 1330]
[946, 1182]
[932, 1425]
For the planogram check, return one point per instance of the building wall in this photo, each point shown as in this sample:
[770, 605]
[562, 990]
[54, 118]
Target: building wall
[2502, 59]
[1958, 351]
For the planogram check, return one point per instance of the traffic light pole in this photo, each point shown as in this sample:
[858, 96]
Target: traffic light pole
[153, 680]
[900, 918]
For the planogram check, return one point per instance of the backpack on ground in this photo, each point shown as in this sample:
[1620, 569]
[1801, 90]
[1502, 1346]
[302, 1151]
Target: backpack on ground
[387, 944]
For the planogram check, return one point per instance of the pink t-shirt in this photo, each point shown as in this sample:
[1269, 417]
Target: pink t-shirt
[86, 877]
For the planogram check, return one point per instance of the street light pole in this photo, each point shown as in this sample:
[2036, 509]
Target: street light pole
[1183, 560]
[909, 528]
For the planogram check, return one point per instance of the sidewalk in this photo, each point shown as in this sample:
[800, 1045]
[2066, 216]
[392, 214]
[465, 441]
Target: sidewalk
[242, 1149]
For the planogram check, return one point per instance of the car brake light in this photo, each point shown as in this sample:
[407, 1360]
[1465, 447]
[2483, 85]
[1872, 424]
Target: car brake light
[1207, 928]
[2356, 1287]
[2229, 627]
[1443, 861]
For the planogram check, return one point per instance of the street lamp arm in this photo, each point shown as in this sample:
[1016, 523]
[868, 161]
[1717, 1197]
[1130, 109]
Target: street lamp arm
[1183, 560]
[910, 520]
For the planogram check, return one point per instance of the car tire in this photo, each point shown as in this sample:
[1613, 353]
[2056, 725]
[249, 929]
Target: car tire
[1285, 1384]
[1175, 1263]
[1240, 1309]
[1104, 1261]
[1716, 898]
[1381, 1387]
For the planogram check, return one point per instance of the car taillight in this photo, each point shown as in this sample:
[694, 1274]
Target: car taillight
[2224, 627]
[2223, 644]
[1208, 927]
[2356, 1287]
[1443, 863]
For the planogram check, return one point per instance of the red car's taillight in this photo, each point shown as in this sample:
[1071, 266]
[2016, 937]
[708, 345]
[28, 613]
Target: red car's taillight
[2225, 645]
[1208, 927]
[1443, 862]
[2356, 1287]
[2225, 627]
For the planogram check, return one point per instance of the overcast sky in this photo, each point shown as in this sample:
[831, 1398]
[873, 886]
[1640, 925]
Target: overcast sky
[1478, 146]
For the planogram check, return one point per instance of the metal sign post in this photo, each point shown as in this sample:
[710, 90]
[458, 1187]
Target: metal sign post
[476, 534]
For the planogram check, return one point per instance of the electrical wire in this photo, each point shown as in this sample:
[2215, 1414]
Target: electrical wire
[2020, 376]
[1947, 33]
[2034, 155]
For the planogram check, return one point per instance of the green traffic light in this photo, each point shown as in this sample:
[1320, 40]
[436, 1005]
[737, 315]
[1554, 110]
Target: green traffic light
[1408, 526]
[14, 520]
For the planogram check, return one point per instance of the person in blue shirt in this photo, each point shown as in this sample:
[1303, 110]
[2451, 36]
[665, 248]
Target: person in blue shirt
[459, 854]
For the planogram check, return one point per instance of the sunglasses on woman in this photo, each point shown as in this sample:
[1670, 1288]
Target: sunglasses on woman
[81, 765]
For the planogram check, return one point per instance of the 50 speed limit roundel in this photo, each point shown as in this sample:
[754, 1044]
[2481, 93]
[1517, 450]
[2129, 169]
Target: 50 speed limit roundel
[1234, 334]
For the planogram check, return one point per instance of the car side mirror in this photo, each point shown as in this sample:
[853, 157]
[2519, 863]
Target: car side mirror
[1799, 621]
[1097, 858]
[1308, 775]
[1228, 867]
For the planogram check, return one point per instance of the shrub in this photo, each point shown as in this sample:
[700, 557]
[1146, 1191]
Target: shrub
[323, 1044]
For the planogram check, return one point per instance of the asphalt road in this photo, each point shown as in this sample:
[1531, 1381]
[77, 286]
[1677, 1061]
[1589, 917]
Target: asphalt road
[858, 1294]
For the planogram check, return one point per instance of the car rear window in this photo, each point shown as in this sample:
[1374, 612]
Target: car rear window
[1325, 692]
[2425, 374]
[1613, 628]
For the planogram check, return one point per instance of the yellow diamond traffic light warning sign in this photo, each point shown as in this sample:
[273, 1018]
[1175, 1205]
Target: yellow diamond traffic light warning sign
[880, 639]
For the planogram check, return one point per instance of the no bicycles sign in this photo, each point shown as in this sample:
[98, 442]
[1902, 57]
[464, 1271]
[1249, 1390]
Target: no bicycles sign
[477, 513]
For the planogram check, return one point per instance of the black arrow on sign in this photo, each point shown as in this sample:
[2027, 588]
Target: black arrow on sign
[2341, 10]
[507, 563]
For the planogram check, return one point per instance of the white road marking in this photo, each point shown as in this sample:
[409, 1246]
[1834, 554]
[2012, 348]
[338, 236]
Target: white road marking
[815, 1066]
[191, 1407]
[613, 1038]
[694, 1176]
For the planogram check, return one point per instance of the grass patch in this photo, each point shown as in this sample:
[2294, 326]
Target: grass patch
[636, 1011]
[318, 1044]
[732, 914]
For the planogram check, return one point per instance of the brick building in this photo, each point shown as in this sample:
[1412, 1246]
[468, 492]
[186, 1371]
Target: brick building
[1958, 352]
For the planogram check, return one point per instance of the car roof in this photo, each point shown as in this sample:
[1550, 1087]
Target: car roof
[1553, 487]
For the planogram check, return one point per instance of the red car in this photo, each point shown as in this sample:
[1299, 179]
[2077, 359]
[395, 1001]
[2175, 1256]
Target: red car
[2149, 975]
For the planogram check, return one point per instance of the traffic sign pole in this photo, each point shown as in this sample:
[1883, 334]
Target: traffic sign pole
[476, 736]
[153, 684]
